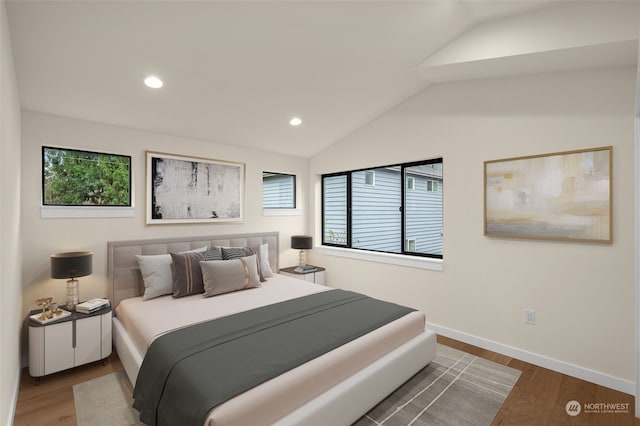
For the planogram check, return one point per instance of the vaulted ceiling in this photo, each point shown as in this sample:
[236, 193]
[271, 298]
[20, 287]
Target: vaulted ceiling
[236, 72]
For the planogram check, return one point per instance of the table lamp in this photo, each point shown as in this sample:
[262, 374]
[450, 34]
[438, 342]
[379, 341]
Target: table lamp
[302, 243]
[72, 265]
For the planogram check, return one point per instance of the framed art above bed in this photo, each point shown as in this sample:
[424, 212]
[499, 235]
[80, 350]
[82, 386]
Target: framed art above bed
[193, 190]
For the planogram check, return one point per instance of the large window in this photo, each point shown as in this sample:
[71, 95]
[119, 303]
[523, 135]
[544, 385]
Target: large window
[278, 191]
[76, 178]
[400, 213]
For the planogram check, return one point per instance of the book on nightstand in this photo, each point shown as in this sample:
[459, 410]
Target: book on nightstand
[92, 305]
[305, 268]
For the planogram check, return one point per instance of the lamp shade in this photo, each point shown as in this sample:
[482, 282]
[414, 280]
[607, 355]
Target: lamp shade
[301, 242]
[71, 264]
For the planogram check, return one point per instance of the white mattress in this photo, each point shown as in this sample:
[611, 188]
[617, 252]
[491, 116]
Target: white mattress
[264, 404]
[145, 320]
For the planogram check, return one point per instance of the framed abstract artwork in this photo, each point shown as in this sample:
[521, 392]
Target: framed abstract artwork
[193, 190]
[564, 196]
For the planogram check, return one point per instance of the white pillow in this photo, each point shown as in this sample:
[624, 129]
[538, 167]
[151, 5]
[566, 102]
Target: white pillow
[157, 275]
[263, 255]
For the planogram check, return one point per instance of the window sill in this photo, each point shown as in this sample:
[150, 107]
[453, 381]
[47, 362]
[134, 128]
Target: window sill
[59, 212]
[281, 212]
[390, 258]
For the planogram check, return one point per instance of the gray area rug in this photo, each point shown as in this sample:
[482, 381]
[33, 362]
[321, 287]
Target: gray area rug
[456, 389]
[105, 401]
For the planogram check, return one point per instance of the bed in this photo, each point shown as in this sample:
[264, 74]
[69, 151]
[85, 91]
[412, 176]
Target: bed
[335, 388]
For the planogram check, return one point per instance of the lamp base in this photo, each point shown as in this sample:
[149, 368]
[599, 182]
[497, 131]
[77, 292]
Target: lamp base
[72, 294]
[302, 260]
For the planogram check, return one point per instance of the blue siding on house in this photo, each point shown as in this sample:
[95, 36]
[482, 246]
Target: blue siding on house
[424, 216]
[376, 211]
[278, 191]
[335, 210]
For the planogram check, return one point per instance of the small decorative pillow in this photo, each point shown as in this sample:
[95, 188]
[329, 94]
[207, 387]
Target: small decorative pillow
[187, 274]
[233, 252]
[213, 253]
[229, 275]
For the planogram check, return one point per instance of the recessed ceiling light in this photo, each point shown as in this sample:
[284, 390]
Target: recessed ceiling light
[153, 82]
[295, 121]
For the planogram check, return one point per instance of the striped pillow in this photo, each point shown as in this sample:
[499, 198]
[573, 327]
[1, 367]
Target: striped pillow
[187, 274]
[213, 253]
[229, 253]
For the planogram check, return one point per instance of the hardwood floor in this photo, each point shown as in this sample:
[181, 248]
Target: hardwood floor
[539, 397]
[51, 401]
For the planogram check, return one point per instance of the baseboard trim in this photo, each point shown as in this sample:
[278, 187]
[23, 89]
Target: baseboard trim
[14, 401]
[592, 376]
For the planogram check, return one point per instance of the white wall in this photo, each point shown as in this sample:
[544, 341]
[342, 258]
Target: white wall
[583, 294]
[10, 253]
[43, 237]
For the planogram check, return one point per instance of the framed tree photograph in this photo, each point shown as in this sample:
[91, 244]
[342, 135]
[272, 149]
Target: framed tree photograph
[564, 196]
[184, 189]
[76, 178]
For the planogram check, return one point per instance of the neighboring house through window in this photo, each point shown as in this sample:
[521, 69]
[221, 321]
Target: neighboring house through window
[401, 213]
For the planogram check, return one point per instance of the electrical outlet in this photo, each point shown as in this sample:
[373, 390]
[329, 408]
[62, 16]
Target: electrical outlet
[530, 316]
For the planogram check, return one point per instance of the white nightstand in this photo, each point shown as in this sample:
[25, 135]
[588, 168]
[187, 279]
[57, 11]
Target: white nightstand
[69, 342]
[317, 276]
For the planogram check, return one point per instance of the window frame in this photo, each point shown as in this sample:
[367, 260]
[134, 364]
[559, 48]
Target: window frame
[46, 203]
[349, 218]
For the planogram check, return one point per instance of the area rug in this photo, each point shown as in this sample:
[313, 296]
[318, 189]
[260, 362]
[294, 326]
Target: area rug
[105, 401]
[455, 389]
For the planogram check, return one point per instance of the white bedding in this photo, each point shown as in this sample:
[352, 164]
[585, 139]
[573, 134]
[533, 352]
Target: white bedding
[264, 404]
[145, 320]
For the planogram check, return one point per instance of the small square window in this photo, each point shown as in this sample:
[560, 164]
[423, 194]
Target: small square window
[369, 177]
[433, 186]
[411, 183]
[410, 244]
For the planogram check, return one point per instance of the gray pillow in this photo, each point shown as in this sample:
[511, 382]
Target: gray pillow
[187, 274]
[224, 276]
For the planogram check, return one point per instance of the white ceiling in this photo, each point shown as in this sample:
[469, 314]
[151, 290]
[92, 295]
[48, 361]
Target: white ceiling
[235, 72]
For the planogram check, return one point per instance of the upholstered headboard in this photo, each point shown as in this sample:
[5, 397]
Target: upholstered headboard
[123, 273]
